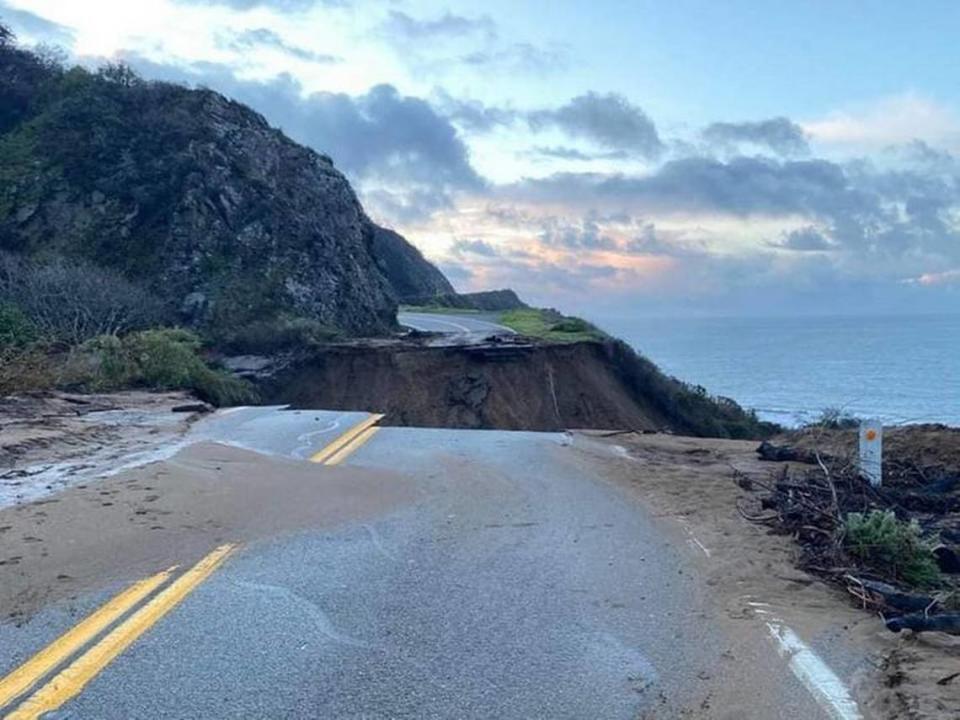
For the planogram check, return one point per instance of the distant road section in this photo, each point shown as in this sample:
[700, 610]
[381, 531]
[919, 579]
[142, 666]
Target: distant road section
[443, 323]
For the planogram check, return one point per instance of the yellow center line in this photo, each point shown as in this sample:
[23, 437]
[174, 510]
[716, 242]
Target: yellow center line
[27, 675]
[345, 439]
[352, 446]
[70, 682]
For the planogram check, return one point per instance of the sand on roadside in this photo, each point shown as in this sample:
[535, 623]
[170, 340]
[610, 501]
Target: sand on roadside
[692, 482]
[173, 512]
[52, 440]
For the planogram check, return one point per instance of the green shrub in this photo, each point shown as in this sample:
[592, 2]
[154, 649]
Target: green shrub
[891, 547]
[271, 336]
[164, 359]
[835, 419]
[25, 369]
[15, 327]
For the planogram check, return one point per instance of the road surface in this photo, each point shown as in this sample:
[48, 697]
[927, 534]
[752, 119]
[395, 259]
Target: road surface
[519, 584]
[459, 324]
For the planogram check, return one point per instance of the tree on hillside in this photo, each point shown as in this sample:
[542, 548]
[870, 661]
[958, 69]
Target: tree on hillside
[22, 76]
[72, 301]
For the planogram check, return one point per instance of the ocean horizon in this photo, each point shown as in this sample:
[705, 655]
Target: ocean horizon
[900, 369]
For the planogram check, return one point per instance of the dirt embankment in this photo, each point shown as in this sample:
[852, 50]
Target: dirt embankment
[505, 385]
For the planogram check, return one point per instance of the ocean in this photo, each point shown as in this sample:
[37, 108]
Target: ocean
[898, 369]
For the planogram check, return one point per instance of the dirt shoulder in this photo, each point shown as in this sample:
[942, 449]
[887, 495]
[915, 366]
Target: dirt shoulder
[753, 574]
[173, 512]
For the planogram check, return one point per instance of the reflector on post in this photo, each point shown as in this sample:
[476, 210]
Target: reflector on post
[871, 451]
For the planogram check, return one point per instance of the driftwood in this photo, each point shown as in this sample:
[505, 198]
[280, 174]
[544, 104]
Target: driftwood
[888, 599]
[785, 453]
[918, 622]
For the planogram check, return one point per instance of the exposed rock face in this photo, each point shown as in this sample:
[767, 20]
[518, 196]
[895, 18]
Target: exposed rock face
[410, 275]
[200, 199]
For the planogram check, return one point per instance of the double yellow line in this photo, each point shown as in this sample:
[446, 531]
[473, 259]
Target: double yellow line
[70, 681]
[345, 445]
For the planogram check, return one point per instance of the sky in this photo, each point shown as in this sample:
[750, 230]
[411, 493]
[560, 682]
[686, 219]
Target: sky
[683, 158]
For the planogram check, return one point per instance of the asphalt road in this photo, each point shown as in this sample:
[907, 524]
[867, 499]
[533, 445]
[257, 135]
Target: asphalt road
[459, 324]
[518, 586]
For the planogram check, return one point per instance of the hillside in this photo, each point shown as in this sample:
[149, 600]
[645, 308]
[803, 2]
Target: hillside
[146, 228]
[193, 197]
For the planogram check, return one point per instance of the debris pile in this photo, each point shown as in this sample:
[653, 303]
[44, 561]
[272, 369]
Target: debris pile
[896, 548]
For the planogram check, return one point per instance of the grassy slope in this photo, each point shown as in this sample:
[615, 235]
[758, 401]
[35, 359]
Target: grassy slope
[550, 325]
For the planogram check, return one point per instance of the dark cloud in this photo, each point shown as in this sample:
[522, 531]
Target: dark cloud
[610, 121]
[742, 186]
[407, 159]
[652, 241]
[807, 239]
[34, 26]
[400, 28]
[520, 57]
[583, 236]
[779, 135]
[263, 37]
[474, 115]
[474, 247]
[561, 152]
[879, 222]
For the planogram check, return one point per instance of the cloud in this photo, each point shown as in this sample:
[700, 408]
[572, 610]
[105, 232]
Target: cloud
[263, 37]
[609, 120]
[947, 277]
[279, 5]
[741, 186]
[779, 135]
[585, 235]
[522, 57]
[561, 152]
[474, 247]
[34, 27]
[400, 28]
[890, 121]
[805, 239]
[450, 41]
[474, 115]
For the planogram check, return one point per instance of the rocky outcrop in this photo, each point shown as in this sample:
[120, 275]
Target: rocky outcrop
[409, 274]
[486, 301]
[198, 198]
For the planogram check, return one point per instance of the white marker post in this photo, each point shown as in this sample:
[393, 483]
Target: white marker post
[871, 451]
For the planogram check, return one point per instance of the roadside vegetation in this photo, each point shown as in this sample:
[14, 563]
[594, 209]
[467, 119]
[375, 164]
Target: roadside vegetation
[551, 325]
[892, 547]
[70, 325]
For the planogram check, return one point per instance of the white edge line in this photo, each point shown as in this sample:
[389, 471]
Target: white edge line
[826, 687]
